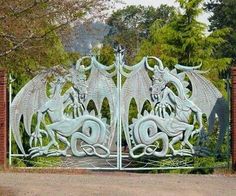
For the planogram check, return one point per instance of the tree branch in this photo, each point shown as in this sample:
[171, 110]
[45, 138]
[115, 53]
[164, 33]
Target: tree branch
[15, 12]
[16, 46]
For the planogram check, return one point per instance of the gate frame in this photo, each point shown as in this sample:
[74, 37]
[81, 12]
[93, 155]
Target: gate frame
[4, 118]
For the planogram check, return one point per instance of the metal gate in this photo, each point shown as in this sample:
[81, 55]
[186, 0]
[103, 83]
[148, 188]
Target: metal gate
[118, 117]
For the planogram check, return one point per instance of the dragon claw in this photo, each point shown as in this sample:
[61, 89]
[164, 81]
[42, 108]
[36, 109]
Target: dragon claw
[37, 154]
[38, 151]
[37, 136]
[183, 152]
[195, 132]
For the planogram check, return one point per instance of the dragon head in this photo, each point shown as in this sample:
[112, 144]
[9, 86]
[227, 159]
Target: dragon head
[78, 78]
[158, 84]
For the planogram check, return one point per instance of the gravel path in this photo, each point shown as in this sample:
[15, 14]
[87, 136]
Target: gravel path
[116, 183]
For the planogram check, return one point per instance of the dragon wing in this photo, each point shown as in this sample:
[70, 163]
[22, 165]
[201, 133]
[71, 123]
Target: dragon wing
[137, 86]
[101, 86]
[27, 102]
[209, 99]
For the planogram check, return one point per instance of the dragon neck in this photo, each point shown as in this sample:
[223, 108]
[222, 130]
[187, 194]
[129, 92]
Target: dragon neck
[179, 86]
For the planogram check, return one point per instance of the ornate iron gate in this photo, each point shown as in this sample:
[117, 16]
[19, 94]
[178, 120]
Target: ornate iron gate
[117, 116]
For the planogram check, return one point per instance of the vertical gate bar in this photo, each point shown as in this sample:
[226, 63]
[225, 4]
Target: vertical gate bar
[119, 136]
[10, 100]
[118, 126]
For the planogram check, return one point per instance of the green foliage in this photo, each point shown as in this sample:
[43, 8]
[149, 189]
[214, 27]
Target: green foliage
[131, 24]
[36, 162]
[224, 16]
[31, 31]
[105, 54]
[184, 41]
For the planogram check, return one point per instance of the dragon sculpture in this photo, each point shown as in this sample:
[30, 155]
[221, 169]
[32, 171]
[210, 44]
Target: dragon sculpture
[66, 108]
[59, 99]
[156, 133]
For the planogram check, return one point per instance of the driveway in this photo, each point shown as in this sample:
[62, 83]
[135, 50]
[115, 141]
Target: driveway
[116, 183]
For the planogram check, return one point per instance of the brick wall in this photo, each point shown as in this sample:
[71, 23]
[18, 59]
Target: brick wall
[3, 119]
[233, 116]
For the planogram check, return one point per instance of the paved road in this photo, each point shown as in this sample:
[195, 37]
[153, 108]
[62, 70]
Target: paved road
[116, 183]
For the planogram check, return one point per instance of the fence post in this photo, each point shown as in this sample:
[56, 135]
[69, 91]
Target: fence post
[3, 118]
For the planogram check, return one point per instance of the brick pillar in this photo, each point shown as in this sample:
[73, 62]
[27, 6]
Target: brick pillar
[3, 118]
[233, 116]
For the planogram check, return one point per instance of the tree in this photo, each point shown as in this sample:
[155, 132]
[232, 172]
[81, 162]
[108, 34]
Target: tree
[131, 24]
[224, 16]
[30, 35]
[30, 30]
[184, 41]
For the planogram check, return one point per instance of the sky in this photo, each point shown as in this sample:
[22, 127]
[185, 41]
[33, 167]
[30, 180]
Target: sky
[156, 3]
